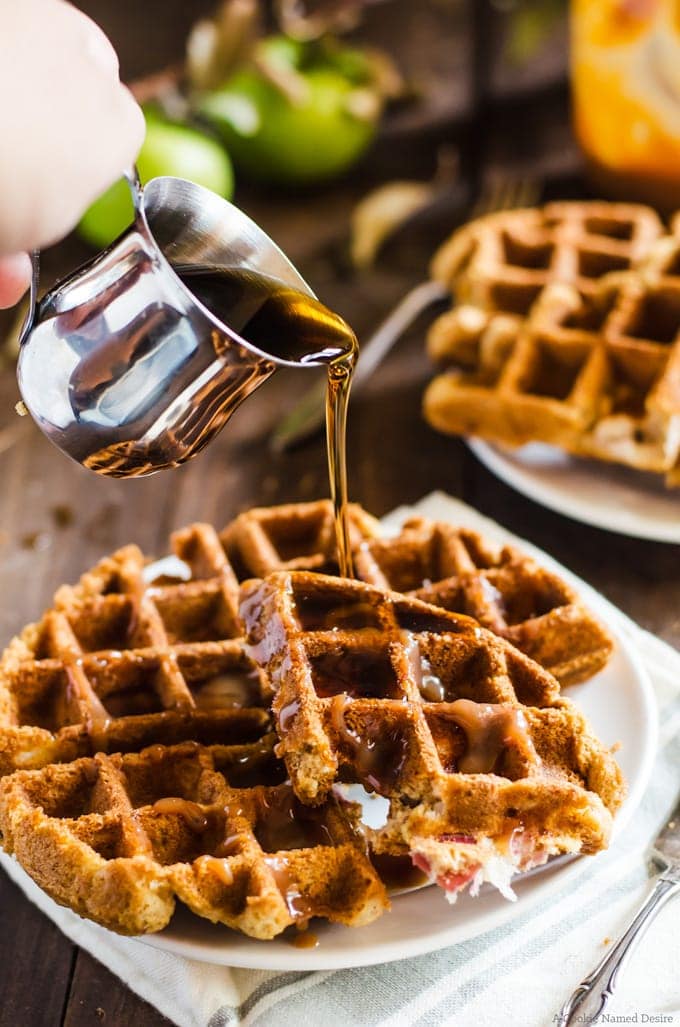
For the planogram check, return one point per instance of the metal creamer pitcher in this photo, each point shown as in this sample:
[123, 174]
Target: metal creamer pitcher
[120, 364]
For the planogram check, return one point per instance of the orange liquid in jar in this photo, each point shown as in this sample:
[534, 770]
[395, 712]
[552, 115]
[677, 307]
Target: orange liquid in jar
[625, 67]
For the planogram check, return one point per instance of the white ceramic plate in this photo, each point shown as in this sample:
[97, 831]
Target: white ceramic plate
[621, 707]
[609, 496]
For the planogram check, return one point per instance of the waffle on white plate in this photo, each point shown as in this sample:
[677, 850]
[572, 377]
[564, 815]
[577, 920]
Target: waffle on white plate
[118, 838]
[487, 768]
[140, 761]
[566, 332]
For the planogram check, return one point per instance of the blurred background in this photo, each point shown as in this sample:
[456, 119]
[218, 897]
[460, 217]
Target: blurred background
[306, 106]
[441, 90]
[349, 95]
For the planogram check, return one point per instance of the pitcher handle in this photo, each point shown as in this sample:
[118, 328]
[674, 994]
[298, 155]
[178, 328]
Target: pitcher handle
[136, 189]
[32, 298]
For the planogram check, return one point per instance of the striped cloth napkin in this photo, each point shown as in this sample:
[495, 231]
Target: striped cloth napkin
[516, 974]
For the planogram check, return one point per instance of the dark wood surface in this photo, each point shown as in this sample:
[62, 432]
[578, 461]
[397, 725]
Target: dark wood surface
[57, 519]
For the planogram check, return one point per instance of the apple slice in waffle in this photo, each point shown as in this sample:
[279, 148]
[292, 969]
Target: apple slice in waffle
[486, 769]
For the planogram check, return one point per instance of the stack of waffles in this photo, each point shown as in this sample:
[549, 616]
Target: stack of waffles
[186, 729]
[566, 332]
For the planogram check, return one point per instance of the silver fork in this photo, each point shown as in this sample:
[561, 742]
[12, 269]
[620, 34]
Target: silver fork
[588, 1002]
[307, 417]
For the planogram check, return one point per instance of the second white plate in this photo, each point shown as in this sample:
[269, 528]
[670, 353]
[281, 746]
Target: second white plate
[594, 492]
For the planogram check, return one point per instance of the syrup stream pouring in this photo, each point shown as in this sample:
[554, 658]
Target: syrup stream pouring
[304, 419]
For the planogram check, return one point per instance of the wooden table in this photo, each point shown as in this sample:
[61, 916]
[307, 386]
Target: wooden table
[57, 519]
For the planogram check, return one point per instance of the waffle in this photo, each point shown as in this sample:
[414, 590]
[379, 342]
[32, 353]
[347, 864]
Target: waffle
[486, 768]
[502, 588]
[298, 536]
[118, 838]
[503, 261]
[120, 662]
[136, 688]
[577, 348]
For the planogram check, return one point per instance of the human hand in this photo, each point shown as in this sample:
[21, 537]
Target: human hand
[68, 128]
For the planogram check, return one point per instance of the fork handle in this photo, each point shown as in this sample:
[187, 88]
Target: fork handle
[417, 300]
[590, 998]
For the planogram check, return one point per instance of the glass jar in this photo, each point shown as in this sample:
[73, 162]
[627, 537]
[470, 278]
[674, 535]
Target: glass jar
[625, 68]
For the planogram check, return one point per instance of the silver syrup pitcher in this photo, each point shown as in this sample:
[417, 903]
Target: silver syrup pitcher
[120, 364]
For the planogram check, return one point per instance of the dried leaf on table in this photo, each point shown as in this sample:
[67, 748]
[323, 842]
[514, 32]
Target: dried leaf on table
[381, 212]
[216, 45]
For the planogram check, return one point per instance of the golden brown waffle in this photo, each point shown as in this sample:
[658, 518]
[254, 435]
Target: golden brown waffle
[562, 352]
[298, 536]
[467, 737]
[501, 587]
[118, 838]
[143, 657]
[120, 662]
[503, 261]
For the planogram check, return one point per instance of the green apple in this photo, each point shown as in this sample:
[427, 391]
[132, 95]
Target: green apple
[167, 150]
[275, 138]
[282, 51]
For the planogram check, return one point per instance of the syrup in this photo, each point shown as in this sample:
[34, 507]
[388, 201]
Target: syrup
[489, 729]
[340, 373]
[355, 673]
[138, 841]
[226, 691]
[190, 812]
[283, 322]
[324, 613]
[219, 868]
[96, 719]
[298, 906]
[429, 685]
[379, 752]
[287, 715]
[232, 844]
[304, 940]
[256, 765]
[283, 823]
